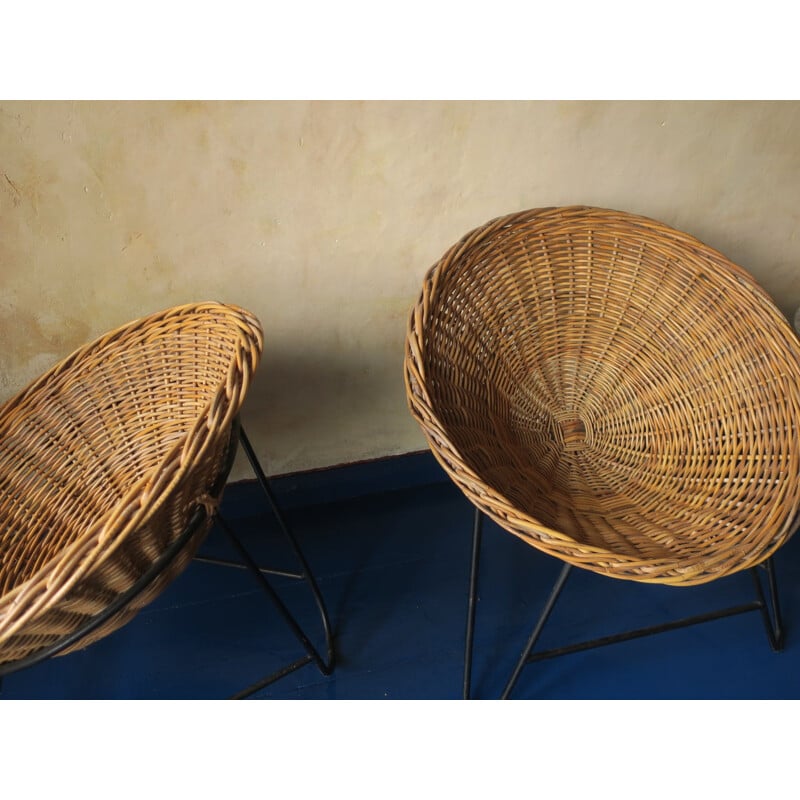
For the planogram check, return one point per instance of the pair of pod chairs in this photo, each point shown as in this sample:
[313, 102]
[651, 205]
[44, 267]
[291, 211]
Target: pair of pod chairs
[608, 389]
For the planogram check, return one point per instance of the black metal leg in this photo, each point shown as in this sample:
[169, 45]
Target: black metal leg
[306, 570]
[551, 601]
[773, 592]
[251, 565]
[312, 654]
[773, 624]
[473, 589]
[326, 664]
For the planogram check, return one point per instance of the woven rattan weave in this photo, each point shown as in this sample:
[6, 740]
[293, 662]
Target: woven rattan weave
[104, 458]
[612, 391]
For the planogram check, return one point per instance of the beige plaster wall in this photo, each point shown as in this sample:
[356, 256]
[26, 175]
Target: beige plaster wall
[322, 218]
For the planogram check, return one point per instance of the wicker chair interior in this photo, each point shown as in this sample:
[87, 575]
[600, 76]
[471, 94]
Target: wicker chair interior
[105, 459]
[612, 391]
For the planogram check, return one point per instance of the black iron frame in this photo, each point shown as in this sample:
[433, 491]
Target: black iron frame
[771, 617]
[325, 664]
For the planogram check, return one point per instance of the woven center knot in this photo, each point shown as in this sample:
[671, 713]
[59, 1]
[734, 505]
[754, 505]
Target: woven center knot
[573, 433]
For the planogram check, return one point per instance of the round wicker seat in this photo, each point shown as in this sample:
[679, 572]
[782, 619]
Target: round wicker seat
[104, 459]
[612, 391]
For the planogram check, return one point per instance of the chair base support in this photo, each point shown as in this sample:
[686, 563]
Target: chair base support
[325, 664]
[771, 617]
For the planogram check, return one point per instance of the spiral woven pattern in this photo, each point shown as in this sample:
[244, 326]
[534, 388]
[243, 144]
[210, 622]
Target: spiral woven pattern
[612, 391]
[104, 459]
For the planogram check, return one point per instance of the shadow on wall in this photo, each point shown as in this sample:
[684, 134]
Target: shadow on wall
[307, 408]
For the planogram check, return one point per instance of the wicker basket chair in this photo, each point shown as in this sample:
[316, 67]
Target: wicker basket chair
[616, 394]
[112, 468]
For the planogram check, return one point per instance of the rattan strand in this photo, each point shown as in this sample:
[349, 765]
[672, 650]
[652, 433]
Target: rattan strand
[104, 458]
[612, 391]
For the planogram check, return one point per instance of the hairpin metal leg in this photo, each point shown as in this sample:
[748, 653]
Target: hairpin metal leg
[773, 623]
[551, 601]
[770, 612]
[326, 664]
[473, 590]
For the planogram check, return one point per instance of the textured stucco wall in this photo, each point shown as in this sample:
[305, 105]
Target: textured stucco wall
[322, 217]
